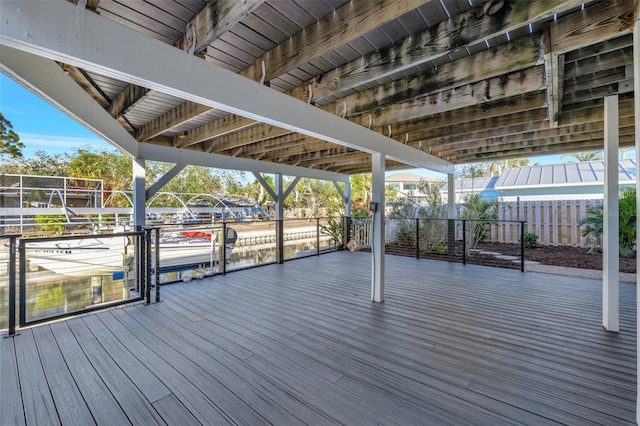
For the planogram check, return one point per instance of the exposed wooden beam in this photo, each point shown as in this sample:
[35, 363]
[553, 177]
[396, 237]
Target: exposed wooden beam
[209, 24]
[259, 150]
[503, 87]
[84, 81]
[173, 118]
[520, 54]
[510, 152]
[348, 22]
[216, 18]
[329, 154]
[480, 23]
[507, 124]
[597, 22]
[554, 77]
[92, 5]
[214, 129]
[537, 137]
[524, 104]
[127, 99]
[539, 142]
[244, 137]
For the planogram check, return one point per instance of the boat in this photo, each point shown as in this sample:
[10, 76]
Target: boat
[81, 257]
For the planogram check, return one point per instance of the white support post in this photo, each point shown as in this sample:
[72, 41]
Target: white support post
[347, 201]
[451, 216]
[636, 85]
[139, 196]
[610, 236]
[279, 217]
[377, 231]
[451, 196]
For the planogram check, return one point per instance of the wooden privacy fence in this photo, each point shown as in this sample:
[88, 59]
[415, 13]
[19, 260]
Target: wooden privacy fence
[556, 223]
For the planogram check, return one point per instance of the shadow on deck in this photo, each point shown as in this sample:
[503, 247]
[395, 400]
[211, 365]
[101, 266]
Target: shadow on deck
[301, 343]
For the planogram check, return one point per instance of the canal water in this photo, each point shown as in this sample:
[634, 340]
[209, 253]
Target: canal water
[49, 295]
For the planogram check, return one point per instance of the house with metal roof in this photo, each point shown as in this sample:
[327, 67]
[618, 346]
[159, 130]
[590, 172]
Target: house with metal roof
[570, 181]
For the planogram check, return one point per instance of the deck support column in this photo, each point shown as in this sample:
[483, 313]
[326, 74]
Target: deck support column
[346, 199]
[610, 236]
[636, 85]
[139, 195]
[451, 216]
[377, 231]
[279, 217]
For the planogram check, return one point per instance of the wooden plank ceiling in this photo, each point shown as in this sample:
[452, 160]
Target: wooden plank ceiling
[465, 80]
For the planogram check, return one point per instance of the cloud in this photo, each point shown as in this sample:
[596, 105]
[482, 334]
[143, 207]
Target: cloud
[59, 144]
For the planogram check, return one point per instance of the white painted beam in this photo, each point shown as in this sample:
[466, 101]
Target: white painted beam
[265, 186]
[377, 231]
[105, 47]
[636, 85]
[292, 185]
[163, 180]
[139, 196]
[279, 181]
[610, 212]
[47, 80]
[169, 154]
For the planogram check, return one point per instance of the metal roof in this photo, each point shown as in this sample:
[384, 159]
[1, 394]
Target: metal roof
[583, 173]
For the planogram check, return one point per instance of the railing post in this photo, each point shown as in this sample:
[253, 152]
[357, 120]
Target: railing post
[12, 283]
[222, 250]
[318, 236]
[147, 265]
[451, 240]
[464, 241]
[346, 235]
[22, 313]
[156, 266]
[417, 238]
[279, 241]
[522, 246]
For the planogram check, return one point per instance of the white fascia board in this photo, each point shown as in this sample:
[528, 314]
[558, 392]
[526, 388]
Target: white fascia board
[45, 78]
[51, 29]
[169, 154]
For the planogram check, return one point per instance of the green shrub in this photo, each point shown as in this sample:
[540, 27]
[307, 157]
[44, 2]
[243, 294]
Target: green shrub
[530, 240]
[51, 224]
[593, 224]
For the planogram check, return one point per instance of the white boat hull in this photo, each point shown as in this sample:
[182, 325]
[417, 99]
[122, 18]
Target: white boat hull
[87, 257]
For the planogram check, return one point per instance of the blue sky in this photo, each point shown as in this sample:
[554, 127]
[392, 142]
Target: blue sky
[40, 125]
[43, 127]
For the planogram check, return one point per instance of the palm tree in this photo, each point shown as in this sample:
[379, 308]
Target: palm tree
[587, 155]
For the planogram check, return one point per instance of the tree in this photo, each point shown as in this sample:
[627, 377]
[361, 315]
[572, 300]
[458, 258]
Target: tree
[44, 164]
[112, 167]
[9, 140]
[593, 224]
[586, 156]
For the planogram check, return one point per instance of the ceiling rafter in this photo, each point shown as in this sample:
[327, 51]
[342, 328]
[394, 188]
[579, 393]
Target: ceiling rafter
[209, 24]
[348, 22]
[439, 41]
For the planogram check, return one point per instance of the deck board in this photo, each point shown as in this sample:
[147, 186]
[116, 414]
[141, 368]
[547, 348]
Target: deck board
[301, 343]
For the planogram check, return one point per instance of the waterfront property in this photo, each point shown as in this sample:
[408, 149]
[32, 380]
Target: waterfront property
[326, 89]
[301, 344]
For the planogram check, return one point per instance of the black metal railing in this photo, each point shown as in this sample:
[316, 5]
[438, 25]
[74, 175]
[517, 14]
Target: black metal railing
[50, 278]
[55, 277]
[472, 241]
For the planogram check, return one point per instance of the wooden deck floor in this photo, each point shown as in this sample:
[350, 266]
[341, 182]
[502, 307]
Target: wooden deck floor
[301, 344]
